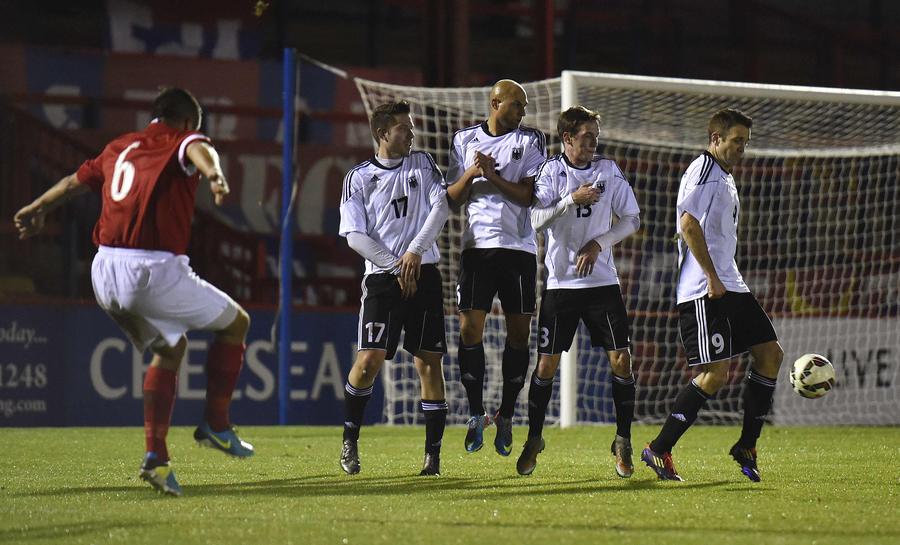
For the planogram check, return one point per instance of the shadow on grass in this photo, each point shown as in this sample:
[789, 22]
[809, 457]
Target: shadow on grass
[339, 485]
[64, 532]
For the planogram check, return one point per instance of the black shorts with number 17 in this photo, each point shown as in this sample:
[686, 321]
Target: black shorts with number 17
[385, 313]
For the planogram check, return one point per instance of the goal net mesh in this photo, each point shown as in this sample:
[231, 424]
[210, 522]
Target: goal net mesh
[818, 239]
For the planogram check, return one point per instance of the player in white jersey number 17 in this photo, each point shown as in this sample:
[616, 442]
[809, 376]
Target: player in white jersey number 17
[392, 209]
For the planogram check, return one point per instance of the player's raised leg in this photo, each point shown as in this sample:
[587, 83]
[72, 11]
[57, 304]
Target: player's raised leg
[539, 395]
[471, 371]
[159, 400]
[223, 366]
[623, 399]
[515, 368]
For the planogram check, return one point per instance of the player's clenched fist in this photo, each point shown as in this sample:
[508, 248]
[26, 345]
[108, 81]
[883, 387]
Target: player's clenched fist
[29, 221]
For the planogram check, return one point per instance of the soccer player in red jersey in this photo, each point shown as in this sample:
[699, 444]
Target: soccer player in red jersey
[147, 181]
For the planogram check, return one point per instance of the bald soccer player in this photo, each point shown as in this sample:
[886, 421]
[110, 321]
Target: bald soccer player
[492, 170]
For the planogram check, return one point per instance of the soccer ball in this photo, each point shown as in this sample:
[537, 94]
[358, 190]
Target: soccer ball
[812, 376]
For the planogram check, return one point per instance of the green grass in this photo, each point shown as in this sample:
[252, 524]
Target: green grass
[820, 485]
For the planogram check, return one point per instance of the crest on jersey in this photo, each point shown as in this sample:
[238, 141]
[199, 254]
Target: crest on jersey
[601, 185]
[517, 153]
[413, 183]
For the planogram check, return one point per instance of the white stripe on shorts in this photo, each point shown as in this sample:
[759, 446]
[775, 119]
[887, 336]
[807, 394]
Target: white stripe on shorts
[702, 334]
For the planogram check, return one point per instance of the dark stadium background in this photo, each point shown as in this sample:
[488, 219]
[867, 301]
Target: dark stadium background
[73, 75]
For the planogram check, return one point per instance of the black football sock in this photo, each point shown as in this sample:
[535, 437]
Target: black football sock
[355, 400]
[758, 392]
[623, 400]
[515, 366]
[539, 395]
[435, 419]
[688, 403]
[471, 372]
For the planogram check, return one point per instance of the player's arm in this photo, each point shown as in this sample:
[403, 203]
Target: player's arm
[625, 207]
[411, 261]
[692, 234]
[206, 159]
[29, 221]
[544, 216]
[371, 250]
[588, 254]
[519, 193]
[458, 192]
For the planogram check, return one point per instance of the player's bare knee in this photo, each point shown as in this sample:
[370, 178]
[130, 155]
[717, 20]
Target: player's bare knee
[169, 357]
[517, 336]
[368, 363]
[469, 334]
[547, 367]
[620, 362]
[714, 379]
[769, 364]
[238, 327]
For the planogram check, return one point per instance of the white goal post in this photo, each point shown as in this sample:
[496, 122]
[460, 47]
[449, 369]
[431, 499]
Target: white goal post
[819, 238]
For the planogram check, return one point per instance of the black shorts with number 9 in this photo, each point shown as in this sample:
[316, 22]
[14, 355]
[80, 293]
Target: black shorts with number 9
[384, 314]
[601, 309]
[714, 330]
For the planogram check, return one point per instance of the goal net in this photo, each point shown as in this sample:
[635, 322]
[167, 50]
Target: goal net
[819, 240]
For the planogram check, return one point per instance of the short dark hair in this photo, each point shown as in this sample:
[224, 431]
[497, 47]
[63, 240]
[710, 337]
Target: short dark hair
[176, 104]
[570, 119]
[383, 116]
[726, 118]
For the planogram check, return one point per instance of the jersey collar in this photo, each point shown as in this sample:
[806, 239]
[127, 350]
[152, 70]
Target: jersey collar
[569, 163]
[487, 131]
[382, 167]
[711, 156]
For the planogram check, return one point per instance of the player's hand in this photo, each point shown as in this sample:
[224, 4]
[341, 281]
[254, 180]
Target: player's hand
[29, 221]
[219, 187]
[474, 171]
[587, 256]
[586, 194]
[410, 266]
[714, 287]
[486, 164]
[407, 287]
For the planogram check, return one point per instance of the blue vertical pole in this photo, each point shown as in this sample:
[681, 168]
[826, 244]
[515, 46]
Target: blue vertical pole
[287, 235]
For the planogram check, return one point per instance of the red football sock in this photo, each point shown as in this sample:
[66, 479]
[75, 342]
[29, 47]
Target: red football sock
[223, 365]
[159, 400]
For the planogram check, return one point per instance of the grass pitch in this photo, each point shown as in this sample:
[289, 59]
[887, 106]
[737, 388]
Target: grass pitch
[80, 485]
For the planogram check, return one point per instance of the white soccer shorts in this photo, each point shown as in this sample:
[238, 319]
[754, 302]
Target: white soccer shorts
[155, 297]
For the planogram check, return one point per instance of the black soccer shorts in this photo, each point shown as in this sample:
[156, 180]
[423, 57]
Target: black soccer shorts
[484, 272]
[601, 309]
[385, 313]
[714, 330]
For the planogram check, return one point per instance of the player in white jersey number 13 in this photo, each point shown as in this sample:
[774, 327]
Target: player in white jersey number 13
[578, 195]
[492, 166]
[392, 209]
[719, 319]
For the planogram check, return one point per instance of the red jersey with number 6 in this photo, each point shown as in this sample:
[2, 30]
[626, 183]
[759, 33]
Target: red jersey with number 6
[147, 185]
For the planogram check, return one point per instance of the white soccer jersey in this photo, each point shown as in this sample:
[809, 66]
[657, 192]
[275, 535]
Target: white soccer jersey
[708, 193]
[582, 223]
[390, 205]
[493, 221]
